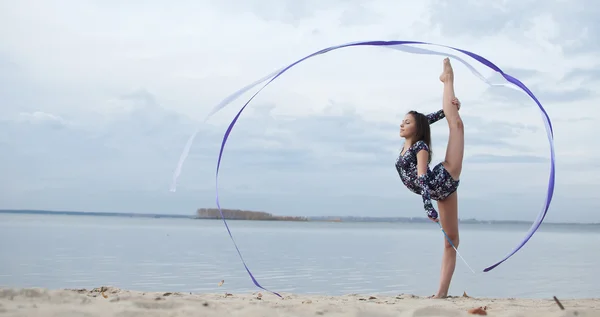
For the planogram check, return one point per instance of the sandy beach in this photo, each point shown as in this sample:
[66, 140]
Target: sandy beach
[107, 301]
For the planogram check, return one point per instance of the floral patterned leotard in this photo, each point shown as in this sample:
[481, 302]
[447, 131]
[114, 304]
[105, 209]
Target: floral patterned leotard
[436, 184]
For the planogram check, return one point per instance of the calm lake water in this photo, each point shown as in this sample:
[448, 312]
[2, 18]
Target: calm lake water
[56, 251]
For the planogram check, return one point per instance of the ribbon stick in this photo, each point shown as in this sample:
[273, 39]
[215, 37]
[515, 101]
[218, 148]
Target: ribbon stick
[409, 47]
[455, 249]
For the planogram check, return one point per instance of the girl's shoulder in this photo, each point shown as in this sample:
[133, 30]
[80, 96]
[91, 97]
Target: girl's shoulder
[420, 145]
[414, 148]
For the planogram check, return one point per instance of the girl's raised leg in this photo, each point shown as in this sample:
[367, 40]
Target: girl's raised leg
[456, 140]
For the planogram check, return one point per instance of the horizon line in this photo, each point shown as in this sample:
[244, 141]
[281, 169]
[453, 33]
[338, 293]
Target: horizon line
[192, 216]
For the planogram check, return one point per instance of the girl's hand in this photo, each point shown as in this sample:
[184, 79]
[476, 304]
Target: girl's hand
[456, 102]
[434, 219]
[431, 213]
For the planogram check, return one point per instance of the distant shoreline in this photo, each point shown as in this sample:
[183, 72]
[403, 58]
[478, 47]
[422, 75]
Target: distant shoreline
[351, 219]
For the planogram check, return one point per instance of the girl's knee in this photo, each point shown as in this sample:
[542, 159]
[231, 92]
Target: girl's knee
[457, 123]
[455, 240]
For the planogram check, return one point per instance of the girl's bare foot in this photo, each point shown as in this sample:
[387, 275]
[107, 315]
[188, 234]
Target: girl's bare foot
[437, 297]
[447, 73]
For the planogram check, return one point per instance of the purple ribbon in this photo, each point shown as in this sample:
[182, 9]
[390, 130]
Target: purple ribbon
[395, 45]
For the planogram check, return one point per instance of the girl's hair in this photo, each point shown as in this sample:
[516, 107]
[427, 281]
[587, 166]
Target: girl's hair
[423, 131]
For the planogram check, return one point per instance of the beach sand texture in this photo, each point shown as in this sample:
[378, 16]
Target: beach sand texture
[108, 301]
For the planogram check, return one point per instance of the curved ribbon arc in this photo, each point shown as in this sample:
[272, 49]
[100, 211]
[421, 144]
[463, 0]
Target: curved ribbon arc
[221, 105]
[397, 45]
[235, 95]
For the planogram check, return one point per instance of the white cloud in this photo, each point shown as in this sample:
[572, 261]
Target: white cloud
[100, 98]
[39, 117]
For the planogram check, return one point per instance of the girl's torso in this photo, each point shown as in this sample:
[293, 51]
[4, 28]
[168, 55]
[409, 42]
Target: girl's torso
[406, 165]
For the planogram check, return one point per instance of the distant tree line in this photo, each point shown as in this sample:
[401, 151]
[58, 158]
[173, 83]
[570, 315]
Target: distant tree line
[236, 214]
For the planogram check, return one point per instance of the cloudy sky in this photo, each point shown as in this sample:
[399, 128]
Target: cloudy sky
[98, 99]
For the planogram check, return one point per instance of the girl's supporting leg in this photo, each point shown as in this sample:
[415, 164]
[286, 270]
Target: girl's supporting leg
[448, 211]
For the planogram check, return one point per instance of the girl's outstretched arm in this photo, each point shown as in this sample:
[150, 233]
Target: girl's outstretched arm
[435, 116]
[422, 158]
[439, 115]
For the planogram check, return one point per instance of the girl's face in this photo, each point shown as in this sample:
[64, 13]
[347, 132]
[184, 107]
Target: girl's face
[408, 126]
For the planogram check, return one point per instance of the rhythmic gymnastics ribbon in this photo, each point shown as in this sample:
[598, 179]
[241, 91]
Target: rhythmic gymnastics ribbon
[405, 46]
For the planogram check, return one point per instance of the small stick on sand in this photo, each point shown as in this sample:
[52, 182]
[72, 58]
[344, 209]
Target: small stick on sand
[558, 303]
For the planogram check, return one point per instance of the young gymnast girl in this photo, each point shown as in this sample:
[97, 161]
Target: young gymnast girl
[442, 182]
